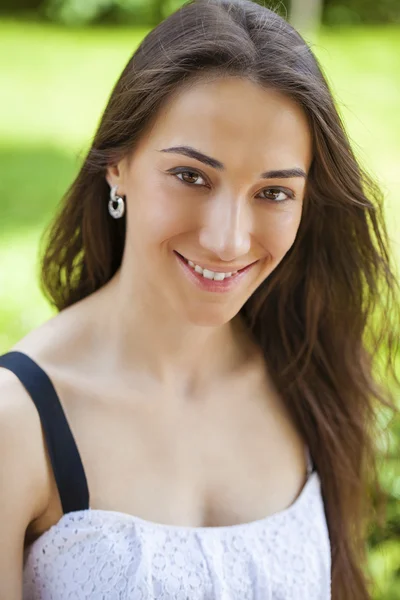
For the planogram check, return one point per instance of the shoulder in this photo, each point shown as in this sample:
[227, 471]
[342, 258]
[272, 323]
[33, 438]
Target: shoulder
[24, 469]
[56, 342]
[17, 410]
[22, 441]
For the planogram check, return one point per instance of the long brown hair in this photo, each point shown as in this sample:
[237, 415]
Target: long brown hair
[324, 312]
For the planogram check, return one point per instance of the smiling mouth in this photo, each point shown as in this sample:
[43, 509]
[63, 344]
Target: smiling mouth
[212, 275]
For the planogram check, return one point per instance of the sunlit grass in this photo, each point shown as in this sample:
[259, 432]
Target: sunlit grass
[56, 81]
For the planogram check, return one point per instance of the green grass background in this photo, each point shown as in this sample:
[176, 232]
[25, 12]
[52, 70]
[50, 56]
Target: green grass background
[54, 84]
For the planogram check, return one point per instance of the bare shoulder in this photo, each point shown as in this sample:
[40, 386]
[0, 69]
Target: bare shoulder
[24, 488]
[22, 449]
[56, 342]
[22, 440]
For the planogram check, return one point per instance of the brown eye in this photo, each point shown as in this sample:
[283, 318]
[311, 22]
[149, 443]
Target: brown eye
[190, 177]
[277, 194]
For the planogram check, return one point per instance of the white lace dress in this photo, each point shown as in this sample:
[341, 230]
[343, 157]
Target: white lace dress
[105, 555]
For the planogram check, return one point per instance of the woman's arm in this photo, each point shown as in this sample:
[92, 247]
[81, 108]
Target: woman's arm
[23, 479]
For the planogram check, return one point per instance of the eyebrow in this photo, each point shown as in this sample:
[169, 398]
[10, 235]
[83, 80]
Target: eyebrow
[216, 164]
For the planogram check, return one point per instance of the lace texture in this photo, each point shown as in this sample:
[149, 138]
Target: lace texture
[105, 555]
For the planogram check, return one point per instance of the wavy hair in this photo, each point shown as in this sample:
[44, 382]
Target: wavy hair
[332, 303]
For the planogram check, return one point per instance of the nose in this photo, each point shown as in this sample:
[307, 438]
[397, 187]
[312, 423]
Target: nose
[226, 230]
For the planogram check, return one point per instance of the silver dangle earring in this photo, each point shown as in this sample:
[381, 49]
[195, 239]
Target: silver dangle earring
[116, 204]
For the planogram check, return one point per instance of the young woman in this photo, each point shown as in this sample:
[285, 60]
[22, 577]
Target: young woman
[196, 421]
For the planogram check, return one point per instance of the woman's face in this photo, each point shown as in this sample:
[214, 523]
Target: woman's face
[218, 181]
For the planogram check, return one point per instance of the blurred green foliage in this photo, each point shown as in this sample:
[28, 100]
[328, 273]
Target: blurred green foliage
[150, 12]
[114, 11]
[79, 12]
[356, 12]
[55, 82]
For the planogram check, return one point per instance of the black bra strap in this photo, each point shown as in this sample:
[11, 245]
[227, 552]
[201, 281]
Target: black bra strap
[64, 455]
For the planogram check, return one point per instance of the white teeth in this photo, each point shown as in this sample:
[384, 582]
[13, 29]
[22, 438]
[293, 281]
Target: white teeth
[216, 276]
[209, 274]
[219, 276]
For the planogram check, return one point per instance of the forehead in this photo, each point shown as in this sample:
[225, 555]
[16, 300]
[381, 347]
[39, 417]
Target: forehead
[238, 122]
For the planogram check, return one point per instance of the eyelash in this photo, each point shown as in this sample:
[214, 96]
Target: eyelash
[290, 195]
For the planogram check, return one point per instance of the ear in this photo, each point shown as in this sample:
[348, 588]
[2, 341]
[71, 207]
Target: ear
[115, 177]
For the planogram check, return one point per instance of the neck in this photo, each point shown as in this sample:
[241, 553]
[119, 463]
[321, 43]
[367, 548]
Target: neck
[177, 354]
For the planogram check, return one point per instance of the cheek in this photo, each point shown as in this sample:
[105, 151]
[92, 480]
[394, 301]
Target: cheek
[155, 215]
[278, 231]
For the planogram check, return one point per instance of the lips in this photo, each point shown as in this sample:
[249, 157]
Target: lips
[205, 278]
[232, 270]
